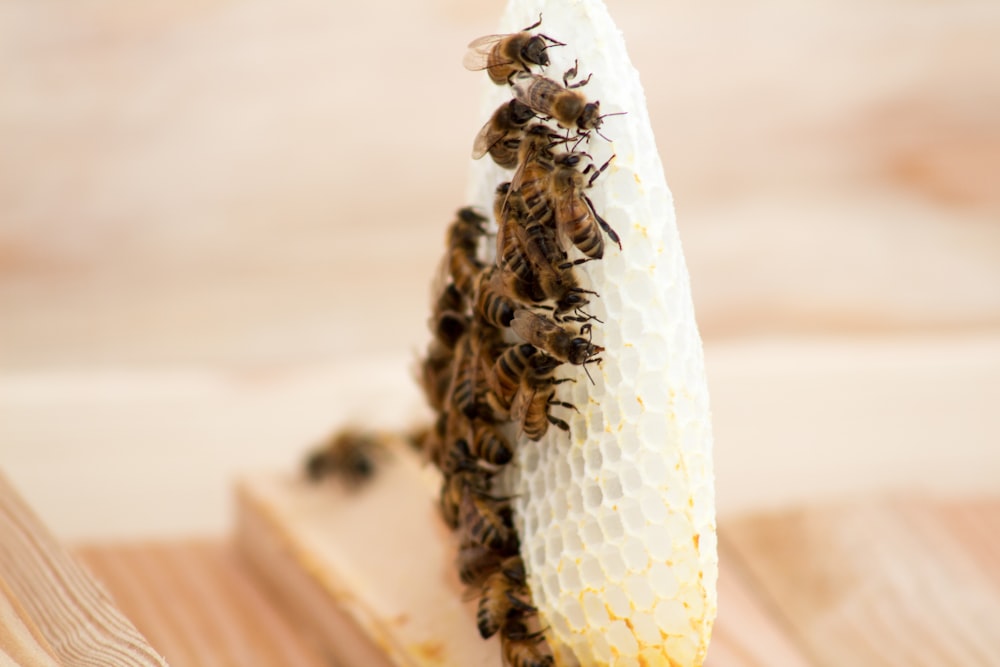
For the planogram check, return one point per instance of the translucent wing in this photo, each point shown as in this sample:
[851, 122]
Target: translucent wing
[486, 139]
[479, 52]
[520, 86]
[527, 155]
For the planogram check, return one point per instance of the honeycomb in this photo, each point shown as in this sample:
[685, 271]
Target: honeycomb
[617, 519]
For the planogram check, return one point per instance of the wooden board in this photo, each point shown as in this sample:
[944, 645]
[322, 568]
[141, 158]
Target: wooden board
[349, 580]
[902, 582]
[198, 602]
[52, 611]
[858, 584]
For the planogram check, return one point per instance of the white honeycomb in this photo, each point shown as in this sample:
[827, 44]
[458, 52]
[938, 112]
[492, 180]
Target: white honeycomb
[617, 521]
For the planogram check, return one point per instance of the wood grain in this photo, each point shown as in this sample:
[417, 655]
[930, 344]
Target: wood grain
[52, 611]
[883, 582]
[310, 550]
[198, 601]
[878, 583]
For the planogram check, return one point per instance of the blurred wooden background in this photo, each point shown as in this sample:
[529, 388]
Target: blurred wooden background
[218, 221]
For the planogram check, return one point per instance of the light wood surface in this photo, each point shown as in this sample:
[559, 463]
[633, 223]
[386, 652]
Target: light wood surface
[878, 581]
[52, 611]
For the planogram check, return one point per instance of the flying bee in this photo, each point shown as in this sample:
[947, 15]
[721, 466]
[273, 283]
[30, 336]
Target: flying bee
[522, 648]
[553, 339]
[492, 303]
[530, 407]
[463, 247]
[504, 592]
[501, 135]
[487, 518]
[503, 55]
[350, 455]
[564, 103]
[575, 216]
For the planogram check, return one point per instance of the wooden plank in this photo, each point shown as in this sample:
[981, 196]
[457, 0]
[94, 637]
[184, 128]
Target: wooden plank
[197, 601]
[350, 579]
[370, 573]
[52, 611]
[879, 583]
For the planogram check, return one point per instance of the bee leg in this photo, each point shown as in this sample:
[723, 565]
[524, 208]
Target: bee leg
[518, 604]
[570, 74]
[597, 172]
[563, 404]
[535, 25]
[575, 262]
[559, 423]
[612, 234]
[578, 84]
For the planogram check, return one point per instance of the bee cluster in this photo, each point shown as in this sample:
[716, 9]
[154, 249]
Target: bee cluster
[503, 327]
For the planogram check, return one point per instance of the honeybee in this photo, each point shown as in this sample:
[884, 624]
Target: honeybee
[501, 135]
[503, 55]
[351, 455]
[530, 407]
[522, 648]
[534, 156]
[504, 592]
[489, 445]
[454, 456]
[463, 248]
[492, 303]
[487, 519]
[574, 212]
[517, 276]
[511, 366]
[435, 373]
[553, 339]
[464, 392]
[564, 103]
[449, 327]
[455, 487]
[555, 277]
[476, 562]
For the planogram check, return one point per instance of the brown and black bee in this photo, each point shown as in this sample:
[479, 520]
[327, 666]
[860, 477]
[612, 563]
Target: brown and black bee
[563, 103]
[504, 55]
[553, 339]
[350, 455]
[501, 135]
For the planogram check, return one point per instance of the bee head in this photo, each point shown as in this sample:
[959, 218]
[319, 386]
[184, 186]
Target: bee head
[581, 350]
[534, 51]
[590, 118]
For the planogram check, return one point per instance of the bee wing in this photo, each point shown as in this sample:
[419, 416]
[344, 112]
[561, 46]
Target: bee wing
[518, 177]
[522, 324]
[479, 52]
[520, 86]
[486, 139]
